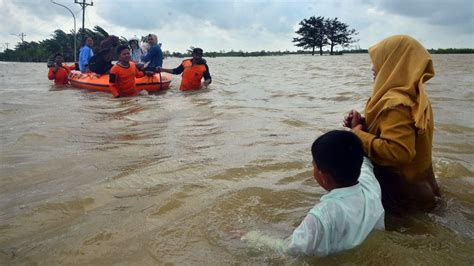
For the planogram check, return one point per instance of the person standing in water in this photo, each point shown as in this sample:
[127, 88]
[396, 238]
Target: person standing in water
[347, 214]
[123, 74]
[397, 131]
[193, 71]
[58, 71]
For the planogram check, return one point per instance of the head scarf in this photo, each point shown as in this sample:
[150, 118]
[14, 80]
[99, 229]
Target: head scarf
[153, 37]
[402, 65]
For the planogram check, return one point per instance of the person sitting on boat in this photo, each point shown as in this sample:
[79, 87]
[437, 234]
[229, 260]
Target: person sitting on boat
[193, 70]
[135, 50]
[154, 56]
[58, 71]
[102, 62]
[85, 54]
[123, 74]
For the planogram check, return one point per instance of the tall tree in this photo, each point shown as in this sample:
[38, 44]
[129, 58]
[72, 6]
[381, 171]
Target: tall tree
[313, 34]
[60, 41]
[338, 33]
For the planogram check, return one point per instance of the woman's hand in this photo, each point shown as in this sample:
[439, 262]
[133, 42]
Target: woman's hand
[353, 119]
[346, 122]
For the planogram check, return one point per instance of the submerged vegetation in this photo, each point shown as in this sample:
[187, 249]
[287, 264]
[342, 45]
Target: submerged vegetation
[63, 42]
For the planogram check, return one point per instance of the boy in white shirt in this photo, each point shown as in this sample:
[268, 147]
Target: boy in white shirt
[348, 213]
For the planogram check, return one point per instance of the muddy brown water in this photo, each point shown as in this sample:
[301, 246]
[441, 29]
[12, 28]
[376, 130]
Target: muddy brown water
[165, 178]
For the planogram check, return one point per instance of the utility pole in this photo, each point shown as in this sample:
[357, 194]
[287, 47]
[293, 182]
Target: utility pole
[83, 4]
[21, 36]
[6, 44]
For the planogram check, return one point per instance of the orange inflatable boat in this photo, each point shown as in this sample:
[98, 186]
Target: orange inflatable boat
[92, 81]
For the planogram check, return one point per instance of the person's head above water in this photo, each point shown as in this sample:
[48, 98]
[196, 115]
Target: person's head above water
[58, 58]
[197, 54]
[123, 53]
[337, 159]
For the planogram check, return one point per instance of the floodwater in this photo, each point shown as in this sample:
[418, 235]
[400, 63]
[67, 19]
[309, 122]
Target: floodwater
[168, 178]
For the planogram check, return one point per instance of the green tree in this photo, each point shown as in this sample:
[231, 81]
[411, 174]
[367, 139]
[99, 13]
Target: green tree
[338, 33]
[60, 41]
[313, 34]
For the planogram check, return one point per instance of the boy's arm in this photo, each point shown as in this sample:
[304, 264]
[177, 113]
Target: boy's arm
[176, 71]
[367, 176]
[113, 83]
[138, 73]
[207, 75]
[51, 73]
[368, 181]
[306, 239]
[207, 78]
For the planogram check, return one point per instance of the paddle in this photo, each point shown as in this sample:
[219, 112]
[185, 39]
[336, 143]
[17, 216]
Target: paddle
[161, 80]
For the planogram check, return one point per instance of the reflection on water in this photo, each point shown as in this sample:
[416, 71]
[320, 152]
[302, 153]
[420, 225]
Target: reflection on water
[88, 179]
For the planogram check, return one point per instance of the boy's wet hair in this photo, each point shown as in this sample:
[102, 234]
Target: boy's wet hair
[58, 54]
[121, 48]
[340, 154]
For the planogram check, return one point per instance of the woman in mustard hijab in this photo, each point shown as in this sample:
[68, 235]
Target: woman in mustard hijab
[397, 130]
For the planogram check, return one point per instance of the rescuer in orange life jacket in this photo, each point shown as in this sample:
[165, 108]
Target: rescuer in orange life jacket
[58, 71]
[193, 70]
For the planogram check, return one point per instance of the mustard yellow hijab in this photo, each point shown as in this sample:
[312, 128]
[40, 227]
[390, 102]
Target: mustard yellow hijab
[402, 65]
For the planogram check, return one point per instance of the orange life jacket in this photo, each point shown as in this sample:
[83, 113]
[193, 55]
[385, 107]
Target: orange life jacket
[60, 77]
[122, 80]
[192, 75]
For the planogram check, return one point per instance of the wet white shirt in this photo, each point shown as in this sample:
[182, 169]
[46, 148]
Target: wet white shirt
[342, 220]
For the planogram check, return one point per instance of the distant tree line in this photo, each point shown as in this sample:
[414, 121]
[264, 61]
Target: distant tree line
[452, 51]
[317, 32]
[63, 42]
[60, 42]
[241, 53]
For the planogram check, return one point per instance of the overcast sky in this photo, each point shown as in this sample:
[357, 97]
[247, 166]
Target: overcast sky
[242, 24]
